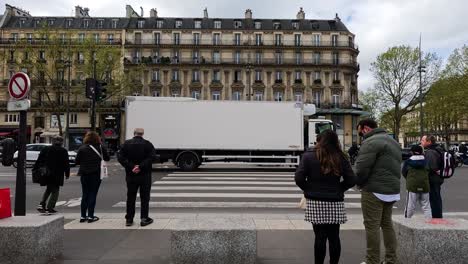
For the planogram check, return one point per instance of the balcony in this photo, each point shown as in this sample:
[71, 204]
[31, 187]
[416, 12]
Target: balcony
[66, 41]
[298, 81]
[279, 81]
[317, 81]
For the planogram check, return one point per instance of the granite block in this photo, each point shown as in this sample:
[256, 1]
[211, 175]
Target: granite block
[31, 239]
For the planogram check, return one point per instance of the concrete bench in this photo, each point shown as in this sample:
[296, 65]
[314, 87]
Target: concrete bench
[422, 241]
[213, 241]
[30, 239]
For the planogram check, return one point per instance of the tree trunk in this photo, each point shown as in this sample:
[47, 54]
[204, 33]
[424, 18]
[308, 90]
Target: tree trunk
[59, 124]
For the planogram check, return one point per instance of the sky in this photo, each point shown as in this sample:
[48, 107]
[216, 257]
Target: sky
[377, 24]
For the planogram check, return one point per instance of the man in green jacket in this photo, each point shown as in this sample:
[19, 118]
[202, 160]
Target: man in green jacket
[378, 177]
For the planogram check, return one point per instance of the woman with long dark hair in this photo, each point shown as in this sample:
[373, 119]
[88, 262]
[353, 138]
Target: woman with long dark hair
[89, 157]
[324, 174]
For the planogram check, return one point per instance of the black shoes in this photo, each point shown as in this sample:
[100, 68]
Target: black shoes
[129, 223]
[93, 219]
[50, 211]
[83, 219]
[41, 208]
[146, 221]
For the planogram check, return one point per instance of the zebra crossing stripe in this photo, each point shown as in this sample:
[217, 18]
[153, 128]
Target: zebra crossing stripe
[230, 175]
[225, 182]
[239, 195]
[283, 205]
[226, 178]
[225, 188]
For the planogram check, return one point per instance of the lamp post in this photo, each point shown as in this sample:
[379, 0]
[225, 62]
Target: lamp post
[249, 85]
[67, 129]
[421, 69]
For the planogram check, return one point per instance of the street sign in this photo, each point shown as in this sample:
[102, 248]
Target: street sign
[19, 86]
[21, 105]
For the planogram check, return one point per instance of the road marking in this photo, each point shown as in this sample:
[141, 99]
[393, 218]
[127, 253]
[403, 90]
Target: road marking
[219, 188]
[226, 182]
[230, 175]
[226, 178]
[227, 205]
[240, 195]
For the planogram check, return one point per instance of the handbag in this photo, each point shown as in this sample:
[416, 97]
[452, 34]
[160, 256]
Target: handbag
[5, 203]
[303, 203]
[104, 172]
[40, 175]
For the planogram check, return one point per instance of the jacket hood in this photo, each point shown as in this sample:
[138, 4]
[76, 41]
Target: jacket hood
[417, 161]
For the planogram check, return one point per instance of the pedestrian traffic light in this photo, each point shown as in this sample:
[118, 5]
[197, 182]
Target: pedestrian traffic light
[101, 91]
[8, 150]
[90, 88]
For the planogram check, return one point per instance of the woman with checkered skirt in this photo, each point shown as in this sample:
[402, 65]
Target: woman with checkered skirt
[324, 174]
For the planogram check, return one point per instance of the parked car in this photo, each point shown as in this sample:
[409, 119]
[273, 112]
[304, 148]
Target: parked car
[406, 153]
[32, 154]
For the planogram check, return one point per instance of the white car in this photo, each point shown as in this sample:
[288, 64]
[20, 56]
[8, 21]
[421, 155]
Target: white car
[32, 154]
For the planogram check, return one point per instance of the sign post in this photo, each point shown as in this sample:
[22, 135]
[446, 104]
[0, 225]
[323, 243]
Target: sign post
[18, 88]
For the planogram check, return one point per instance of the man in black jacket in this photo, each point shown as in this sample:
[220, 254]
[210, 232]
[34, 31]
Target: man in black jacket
[432, 153]
[55, 160]
[137, 156]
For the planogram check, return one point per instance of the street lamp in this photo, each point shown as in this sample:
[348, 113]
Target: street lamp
[421, 69]
[67, 129]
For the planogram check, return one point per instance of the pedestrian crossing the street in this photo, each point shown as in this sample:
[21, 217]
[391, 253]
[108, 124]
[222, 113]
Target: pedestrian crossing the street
[233, 189]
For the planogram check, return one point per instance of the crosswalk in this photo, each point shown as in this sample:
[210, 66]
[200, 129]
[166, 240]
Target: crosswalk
[231, 189]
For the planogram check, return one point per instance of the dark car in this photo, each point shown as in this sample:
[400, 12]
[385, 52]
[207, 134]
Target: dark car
[406, 153]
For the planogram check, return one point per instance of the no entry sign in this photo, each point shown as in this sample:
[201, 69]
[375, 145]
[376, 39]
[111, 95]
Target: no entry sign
[19, 85]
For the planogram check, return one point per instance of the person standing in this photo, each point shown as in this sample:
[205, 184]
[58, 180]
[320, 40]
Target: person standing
[89, 157]
[136, 156]
[433, 152]
[378, 176]
[55, 160]
[417, 183]
[324, 174]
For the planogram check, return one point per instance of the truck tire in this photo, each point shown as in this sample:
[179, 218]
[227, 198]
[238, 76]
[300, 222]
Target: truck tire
[188, 161]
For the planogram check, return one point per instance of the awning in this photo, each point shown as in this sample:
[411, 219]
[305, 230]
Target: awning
[342, 111]
[4, 134]
[49, 134]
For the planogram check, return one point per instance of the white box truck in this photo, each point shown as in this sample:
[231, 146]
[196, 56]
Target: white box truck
[191, 132]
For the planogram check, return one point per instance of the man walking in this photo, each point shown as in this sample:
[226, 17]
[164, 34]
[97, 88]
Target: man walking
[433, 152]
[378, 176]
[56, 163]
[137, 156]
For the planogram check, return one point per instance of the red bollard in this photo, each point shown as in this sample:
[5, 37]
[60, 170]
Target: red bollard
[5, 203]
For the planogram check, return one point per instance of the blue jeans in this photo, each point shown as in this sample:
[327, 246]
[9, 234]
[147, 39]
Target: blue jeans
[89, 187]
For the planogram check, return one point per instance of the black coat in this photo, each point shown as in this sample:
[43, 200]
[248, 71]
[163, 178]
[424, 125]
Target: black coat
[137, 151]
[55, 158]
[89, 161]
[318, 186]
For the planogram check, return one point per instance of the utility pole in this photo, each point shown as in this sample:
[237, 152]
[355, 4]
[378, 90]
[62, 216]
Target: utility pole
[67, 129]
[421, 69]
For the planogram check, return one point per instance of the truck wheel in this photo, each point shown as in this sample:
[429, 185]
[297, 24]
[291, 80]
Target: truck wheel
[188, 162]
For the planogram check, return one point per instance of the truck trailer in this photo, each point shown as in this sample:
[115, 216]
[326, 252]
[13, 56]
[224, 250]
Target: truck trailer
[192, 132]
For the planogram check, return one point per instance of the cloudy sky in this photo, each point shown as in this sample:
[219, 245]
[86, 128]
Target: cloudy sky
[378, 24]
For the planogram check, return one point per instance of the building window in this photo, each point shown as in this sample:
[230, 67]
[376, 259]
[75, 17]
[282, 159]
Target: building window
[237, 39]
[237, 24]
[216, 39]
[237, 76]
[295, 25]
[258, 75]
[197, 24]
[69, 23]
[276, 25]
[336, 76]
[86, 23]
[258, 96]
[81, 37]
[12, 55]
[176, 38]
[278, 76]
[26, 56]
[178, 24]
[335, 58]
[159, 23]
[157, 38]
[196, 38]
[237, 57]
[258, 39]
[336, 100]
[73, 118]
[80, 57]
[297, 75]
[236, 96]
[175, 56]
[298, 57]
[278, 96]
[216, 76]
[114, 23]
[140, 24]
[216, 57]
[196, 94]
[316, 40]
[317, 98]
[258, 25]
[216, 96]
[278, 57]
[110, 38]
[196, 57]
[11, 118]
[278, 39]
[96, 37]
[217, 24]
[316, 58]
[175, 75]
[100, 23]
[155, 76]
[42, 55]
[334, 40]
[298, 96]
[50, 22]
[258, 57]
[39, 121]
[297, 39]
[156, 93]
[196, 76]
[175, 93]
[317, 75]
[29, 36]
[14, 37]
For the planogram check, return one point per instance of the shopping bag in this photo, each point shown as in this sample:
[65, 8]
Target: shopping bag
[5, 203]
[104, 173]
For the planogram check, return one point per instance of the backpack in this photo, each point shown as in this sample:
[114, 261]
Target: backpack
[447, 164]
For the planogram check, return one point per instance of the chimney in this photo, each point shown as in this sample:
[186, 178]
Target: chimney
[205, 13]
[153, 12]
[86, 12]
[337, 18]
[130, 12]
[141, 8]
[301, 14]
[248, 14]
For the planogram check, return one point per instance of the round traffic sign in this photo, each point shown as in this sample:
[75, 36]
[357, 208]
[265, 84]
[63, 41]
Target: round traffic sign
[19, 85]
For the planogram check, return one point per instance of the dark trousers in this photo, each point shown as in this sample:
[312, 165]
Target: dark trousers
[51, 191]
[324, 232]
[144, 185]
[89, 187]
[435, 199]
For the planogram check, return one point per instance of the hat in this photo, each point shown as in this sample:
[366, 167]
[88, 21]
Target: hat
[416, 149]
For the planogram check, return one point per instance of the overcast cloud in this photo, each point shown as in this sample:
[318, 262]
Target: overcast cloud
[377, 24]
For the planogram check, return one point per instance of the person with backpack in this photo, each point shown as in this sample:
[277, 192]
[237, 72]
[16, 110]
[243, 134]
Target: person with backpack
[55, 166]
[417, 183]
[324, 174]
[89, 157]
[434, 155]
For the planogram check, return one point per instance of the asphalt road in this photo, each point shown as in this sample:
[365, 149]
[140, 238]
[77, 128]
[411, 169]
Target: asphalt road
[212, 189]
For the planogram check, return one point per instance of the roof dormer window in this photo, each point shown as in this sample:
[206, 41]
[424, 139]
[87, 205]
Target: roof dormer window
[22, 22]
[197, 24]
[277, 25]
[86, 23]
[258, 25]
[237, 24]
[159, 23]
[100, 23]
[114, 23]
[69, 23]
[140, 24]
[295, 25]
[178, 24]
[217, 24]
[50, 22]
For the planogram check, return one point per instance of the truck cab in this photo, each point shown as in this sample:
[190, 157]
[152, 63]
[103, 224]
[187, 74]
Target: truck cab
[315, 127]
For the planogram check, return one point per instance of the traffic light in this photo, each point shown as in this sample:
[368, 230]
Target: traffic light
[101, 91]
[8, 151]
[91, 85]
